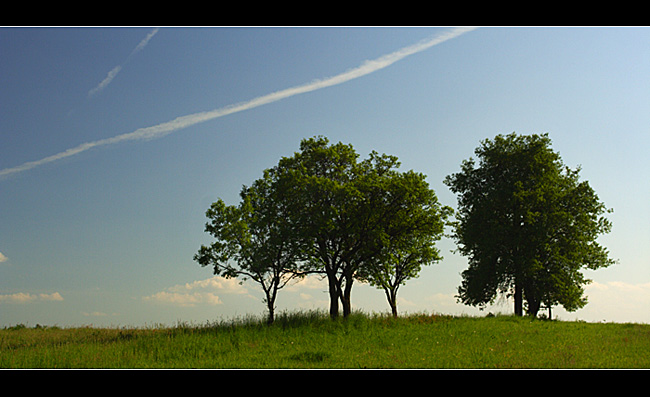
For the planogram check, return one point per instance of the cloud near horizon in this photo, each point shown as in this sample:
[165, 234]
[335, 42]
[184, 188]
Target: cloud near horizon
[206, 291]
[22, 297]
[160, 130]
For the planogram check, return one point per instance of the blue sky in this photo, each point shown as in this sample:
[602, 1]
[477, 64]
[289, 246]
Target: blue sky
[106, 169]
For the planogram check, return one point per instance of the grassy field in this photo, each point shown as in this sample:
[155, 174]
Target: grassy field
[312, 340]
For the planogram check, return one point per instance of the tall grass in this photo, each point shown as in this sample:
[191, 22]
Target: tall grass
[313, 340]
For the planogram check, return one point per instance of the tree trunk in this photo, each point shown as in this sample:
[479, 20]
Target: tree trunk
[392, 300]
[347, 307]
[346, 297]
[533, 307]
[334, 298]
[519, 306]
[333, 287]
[271, 317]
[393, 305]
[270, 304]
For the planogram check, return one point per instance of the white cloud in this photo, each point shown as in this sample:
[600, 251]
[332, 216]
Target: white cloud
[185, 299]
[221, 284]
[199, 292]
[616, 301]
[160, 130]
[22, 297]
[97, 314]
[308, 282]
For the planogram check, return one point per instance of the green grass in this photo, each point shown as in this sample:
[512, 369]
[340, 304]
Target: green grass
[312, 340]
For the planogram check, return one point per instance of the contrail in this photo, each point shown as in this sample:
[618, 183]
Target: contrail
[144, 42]
[111, 75]
[160, 130]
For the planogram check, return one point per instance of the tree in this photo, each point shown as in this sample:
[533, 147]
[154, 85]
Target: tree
[253, 240]
[527, 225]
[317, 181]
[322, 211]
[409, 222]
[345, 211]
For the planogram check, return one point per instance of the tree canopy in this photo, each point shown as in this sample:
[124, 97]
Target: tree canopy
[324, 212]
[409, 222]
[527, 224]
[348, 212]
[252, 240]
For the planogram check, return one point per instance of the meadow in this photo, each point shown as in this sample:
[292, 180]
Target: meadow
[313, 340]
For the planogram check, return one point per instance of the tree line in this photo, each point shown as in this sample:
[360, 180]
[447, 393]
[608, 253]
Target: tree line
[524, 220]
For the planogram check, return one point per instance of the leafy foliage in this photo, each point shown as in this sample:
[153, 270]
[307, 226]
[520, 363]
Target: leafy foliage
[409, 222]
[355, 217]
[527, 225]
[322, 211]
[252, 240]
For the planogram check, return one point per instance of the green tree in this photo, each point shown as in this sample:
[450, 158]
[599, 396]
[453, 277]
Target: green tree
[322, 211]
[252, 240]
[318, 183]
[409, 220]
[527, 225]
[345, 211]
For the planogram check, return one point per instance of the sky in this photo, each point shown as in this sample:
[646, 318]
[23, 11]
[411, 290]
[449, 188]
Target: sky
[114, 142]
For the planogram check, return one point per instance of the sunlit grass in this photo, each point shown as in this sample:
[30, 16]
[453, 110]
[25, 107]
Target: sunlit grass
[312, 340]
